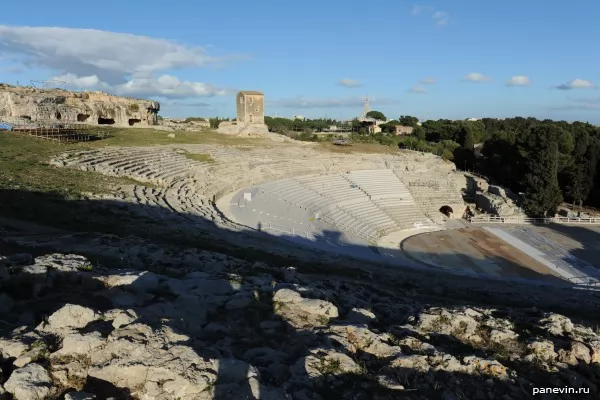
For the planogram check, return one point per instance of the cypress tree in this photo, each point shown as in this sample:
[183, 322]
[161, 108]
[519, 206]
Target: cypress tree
[542, 192]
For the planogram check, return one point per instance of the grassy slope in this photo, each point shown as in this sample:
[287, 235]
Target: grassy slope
[24, 160]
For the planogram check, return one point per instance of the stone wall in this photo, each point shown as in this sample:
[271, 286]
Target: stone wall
[93, 108]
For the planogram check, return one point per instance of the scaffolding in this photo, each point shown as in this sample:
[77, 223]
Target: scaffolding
[59, 132]
[50, 84]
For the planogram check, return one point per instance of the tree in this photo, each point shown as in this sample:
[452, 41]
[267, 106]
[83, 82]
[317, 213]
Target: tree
[542, 192]
[407, 120]
[388, 127]
[418, 132]
[378, 115]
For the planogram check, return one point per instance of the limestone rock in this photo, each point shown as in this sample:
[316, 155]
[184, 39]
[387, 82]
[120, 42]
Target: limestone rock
[63, 262]
[581, 352]
[132, 281]
[323, 362]
[489, 367]
[498, 336]
[122, 318]
[13, 348]
[567, 357]
[61, 106]
[31, 382]
[70, 316]
[360, 316]
[450, 323]
[358, 338]
[148, 363]
[411, 363]
[78, 344]
[287, 296]
[542, 349]
[295, 306]
[556, 324]
[595, 350]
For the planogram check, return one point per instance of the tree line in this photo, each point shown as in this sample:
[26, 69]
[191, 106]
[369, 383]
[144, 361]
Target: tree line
[548, 161]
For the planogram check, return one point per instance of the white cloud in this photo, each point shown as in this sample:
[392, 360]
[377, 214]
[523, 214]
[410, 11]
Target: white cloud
[428, 81]
[440, 17]
[476, 77]
[168, 86]
[303, 102]
[418, 9]
[519, 80]
[349, 83]
[129, 64]
[418, 90]
[83, 82]
[577, 84]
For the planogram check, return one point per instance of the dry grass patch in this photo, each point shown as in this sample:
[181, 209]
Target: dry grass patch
[203, 158]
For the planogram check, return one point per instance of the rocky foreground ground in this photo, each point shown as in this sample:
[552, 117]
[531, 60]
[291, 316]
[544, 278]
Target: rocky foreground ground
[231, 329]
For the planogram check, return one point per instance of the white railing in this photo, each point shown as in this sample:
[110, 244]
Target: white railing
[585, 281]
[486, 219]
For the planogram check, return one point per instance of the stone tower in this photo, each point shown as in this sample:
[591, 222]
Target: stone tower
[250, 106]
[365, 110]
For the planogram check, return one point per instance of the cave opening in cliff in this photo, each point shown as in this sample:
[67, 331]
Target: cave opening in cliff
[82, 117]
[58, 115]
[25, 117]
[446, 210]
[134, 121]
[105, 121]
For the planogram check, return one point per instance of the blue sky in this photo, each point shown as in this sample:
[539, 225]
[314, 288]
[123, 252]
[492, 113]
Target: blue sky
[432, 59]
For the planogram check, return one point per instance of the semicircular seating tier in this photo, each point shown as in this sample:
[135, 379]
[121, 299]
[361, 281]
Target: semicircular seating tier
[368, 203]
[369, 195]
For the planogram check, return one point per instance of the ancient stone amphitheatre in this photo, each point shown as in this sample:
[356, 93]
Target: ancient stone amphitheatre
[247, 268]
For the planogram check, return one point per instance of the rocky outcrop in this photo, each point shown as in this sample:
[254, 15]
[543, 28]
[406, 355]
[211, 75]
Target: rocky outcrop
[496, 205]
[237, 331]
[24, 105]
[497, 201]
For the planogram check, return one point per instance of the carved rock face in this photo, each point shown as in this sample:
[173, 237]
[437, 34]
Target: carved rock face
[20, 105]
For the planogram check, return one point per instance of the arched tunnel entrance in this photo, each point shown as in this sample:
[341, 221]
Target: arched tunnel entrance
[446, 210]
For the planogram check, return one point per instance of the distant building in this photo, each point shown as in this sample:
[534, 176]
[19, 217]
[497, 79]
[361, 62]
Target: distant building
[300, 117]
[250, 107]
[374, 129]
[473, 119]
[403, 130]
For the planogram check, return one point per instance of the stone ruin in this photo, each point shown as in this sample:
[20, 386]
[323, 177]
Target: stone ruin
[497, 201]
[250, 116]
[33, 106]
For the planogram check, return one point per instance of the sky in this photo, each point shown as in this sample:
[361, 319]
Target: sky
[431, 59]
